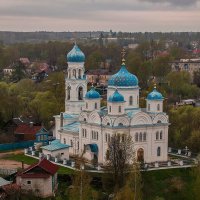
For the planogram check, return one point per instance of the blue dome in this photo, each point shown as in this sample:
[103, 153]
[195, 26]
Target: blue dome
[116, 97]
[92, 94]
[75, 55]
[123, 78]
[155, 95]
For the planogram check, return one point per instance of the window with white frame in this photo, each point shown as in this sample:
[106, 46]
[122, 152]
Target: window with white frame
[157, 135]
[161, 135]
[84, 133]
[95, 135]
[136, 137]
[71, 141]
[158, 107]
[131, 100]
[159, 151]
[140, 137]
[144, 136]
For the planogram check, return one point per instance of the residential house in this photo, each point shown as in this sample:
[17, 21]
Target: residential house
[188, 65]
[26, 132]
[39, 178]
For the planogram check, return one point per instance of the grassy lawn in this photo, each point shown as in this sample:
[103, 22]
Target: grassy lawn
[172, 184]
[28, 160]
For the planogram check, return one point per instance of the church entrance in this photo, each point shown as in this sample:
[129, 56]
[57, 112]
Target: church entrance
[140, 155]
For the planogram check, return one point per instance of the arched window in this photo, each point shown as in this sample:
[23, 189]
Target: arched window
[130, 100]
[161, 135]
[85, 133]
[158, 151]
[109, 137]
[157, 135]
[136, 137]
[71, 141]
[78, 145]
[86, 105]
[144, 136]
[64, 141]
[74, 73]
[69, 74]
[106, 137]
[140, 137]
[79, 73]
[80, 93]
[148, 107]
[120, 109]
[120, 124]
[110, 108]
[95, 106]
[68, 92]
[108, 124]
[158, 107]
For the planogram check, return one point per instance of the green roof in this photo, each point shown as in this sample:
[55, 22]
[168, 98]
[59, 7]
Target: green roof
[55, 145]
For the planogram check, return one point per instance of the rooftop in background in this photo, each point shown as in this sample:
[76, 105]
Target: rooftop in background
[27, 129]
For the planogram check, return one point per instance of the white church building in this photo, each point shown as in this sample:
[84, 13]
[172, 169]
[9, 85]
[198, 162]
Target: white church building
[86, 128]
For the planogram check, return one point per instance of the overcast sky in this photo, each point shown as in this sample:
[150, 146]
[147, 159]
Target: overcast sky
[89, 15]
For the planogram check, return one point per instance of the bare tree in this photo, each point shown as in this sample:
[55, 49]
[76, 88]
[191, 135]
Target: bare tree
[119, 155]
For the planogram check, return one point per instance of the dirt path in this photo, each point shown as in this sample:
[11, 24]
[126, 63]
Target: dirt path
[2, 155]
[11, 164]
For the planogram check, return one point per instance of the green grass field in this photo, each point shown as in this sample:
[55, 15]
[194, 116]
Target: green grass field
[172, 184]
[28, 160]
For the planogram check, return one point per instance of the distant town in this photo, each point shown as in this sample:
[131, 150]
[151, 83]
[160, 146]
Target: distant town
[99, 115]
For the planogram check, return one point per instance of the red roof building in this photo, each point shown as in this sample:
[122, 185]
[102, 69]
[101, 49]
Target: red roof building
[40, 178]
[26, 132]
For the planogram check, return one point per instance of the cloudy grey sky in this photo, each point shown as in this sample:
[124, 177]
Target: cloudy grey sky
[86, 15]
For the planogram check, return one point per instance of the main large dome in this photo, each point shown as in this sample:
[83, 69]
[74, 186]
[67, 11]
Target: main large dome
[123, 78]
[75, 55]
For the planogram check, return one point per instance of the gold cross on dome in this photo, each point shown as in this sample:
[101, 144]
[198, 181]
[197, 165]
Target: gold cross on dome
[123, 53]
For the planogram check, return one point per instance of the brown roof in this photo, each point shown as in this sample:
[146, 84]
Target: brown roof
[44, 164]
[27, 129]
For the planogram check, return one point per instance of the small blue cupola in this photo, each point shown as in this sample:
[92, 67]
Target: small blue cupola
[92, 100]
[116, 104]
[154, 101]
[92, 94]
[155, 95]
[116, 97]
[75, 55]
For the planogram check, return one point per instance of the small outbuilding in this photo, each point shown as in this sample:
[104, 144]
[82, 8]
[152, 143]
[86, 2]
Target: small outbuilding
[39, 178]
[56, 150]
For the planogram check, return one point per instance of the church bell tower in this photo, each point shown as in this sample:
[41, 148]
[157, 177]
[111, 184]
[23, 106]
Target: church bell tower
[75, 81]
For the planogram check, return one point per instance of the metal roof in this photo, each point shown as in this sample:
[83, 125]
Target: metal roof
[4, 182]
[55, 145]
